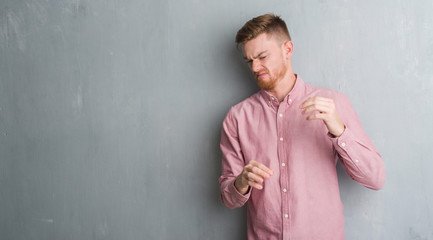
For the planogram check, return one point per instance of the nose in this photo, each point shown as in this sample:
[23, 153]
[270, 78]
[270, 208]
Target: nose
[255, 66]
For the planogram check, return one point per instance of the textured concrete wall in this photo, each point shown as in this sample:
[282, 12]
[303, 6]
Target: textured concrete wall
[110, 112]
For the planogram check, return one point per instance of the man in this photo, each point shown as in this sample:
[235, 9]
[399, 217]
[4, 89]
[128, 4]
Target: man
[281, 145]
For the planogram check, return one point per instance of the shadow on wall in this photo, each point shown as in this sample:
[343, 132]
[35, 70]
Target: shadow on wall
[237, 85]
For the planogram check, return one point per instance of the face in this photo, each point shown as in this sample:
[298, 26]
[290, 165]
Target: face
[268, 60]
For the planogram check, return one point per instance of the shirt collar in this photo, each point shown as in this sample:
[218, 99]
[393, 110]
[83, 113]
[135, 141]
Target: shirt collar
[291, 96]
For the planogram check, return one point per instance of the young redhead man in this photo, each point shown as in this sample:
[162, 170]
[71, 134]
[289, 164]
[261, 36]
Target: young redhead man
[281, 145]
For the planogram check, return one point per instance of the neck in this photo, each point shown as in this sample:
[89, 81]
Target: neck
[284, 86]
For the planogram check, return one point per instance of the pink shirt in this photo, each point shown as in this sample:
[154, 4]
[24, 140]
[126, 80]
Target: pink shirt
[301, 200]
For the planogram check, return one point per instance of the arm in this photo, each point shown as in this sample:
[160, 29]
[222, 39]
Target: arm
[357, 152]
[358, 155]
[232, 165]
[237, 179]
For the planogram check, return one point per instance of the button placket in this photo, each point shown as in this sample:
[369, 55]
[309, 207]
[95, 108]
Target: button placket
[282, 144]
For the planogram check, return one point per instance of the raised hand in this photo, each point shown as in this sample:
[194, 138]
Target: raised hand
[323, 109]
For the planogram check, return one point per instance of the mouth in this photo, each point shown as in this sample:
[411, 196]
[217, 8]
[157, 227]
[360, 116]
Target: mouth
[259, 75]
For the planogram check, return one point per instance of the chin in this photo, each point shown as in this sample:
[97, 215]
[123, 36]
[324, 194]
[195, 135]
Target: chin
[267, 85]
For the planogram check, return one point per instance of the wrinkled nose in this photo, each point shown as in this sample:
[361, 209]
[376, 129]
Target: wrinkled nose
[255, 66]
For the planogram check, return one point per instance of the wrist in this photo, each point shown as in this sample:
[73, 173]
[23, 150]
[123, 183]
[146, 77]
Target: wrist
[242, 189]
[339, 131]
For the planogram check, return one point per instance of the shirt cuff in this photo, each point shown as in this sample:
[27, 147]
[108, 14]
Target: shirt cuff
[343, 141]
[239, 196]
[345, 145]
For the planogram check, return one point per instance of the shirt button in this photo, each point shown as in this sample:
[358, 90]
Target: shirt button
[343, 144]
[281, 139]
[284, 190]
[356, 160]
[281, 115]
[286, 215]
[283, 164]
[272, 98]
[290, 100]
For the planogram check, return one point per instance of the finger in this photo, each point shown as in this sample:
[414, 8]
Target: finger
[315, 101]
[261, 166]
[312, 100]
[255, 185]
[323, 99]
[253, 177]
[306, 103]
[316, 116]
[316, 107]
[260, 172]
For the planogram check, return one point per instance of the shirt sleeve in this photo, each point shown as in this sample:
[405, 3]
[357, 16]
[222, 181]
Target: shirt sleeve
[232, 164]
[357, 153]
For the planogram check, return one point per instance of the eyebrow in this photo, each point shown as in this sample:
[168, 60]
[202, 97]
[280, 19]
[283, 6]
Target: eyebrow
[258, 55]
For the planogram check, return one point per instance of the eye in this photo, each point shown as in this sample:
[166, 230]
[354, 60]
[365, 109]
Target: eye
[262, 57]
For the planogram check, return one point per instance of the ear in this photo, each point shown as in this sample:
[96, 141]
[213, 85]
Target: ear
[288, 48]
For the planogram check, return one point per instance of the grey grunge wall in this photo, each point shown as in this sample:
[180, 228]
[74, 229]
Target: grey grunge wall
[110, 112]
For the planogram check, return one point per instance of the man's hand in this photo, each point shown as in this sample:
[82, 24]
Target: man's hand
[253, 175]
[325, 110]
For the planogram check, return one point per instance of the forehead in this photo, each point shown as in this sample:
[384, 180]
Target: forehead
[261, 43]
